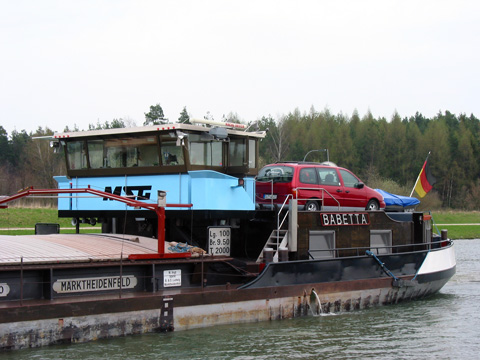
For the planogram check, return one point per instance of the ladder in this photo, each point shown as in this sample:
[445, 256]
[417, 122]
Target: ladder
[278, 239]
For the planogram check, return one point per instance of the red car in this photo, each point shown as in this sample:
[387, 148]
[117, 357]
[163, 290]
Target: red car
[316, 186]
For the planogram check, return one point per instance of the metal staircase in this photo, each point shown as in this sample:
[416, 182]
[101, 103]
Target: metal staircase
[278, 239]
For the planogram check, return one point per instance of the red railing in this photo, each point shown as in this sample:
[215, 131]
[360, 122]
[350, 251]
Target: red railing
[159, 210]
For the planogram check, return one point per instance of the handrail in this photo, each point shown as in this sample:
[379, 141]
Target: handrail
[317, 189]
[159, 210]
[279, 225]
[361, 250]
[280, 211]
[271, 192]
[434, 223]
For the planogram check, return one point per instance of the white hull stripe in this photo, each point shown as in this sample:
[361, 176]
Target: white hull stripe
[438, 260]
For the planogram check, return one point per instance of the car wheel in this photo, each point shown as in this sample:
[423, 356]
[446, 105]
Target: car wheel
[312, 205]
[373, 205]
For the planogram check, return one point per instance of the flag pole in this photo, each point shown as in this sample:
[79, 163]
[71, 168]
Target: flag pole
[418, 177]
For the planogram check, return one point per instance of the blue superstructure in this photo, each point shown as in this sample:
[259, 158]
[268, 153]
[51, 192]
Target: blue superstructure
[205, 189]
[211, 167]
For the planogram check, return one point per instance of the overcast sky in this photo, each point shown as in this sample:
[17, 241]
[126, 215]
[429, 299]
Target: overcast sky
[78, 62]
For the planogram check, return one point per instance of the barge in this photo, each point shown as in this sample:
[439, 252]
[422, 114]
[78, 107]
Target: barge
[206, 258]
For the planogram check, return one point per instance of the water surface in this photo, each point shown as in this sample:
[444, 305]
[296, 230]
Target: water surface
[444, 326]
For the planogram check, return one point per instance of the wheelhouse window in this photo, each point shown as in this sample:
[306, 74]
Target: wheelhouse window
[148, 152]
[160, 152]
[123, 152]
[95, 154]
[76, 154]
[172, 153]
[206, 153]
[252, 154]
[236, 152]
[113, 153]
[117, 152]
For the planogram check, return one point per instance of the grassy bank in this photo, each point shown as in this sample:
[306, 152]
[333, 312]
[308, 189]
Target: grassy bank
[446, 219]
[28, 217]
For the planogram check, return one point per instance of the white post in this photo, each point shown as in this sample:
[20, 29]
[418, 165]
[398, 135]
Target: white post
[293, 225]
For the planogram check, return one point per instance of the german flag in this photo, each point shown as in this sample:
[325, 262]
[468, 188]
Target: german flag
[425, 180]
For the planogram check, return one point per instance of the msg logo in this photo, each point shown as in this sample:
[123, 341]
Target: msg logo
[129, 191]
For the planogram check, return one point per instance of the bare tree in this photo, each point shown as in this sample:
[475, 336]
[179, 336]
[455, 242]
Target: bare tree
[279, 145]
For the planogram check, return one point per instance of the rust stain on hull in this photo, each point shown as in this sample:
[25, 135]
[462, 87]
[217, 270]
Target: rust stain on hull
[143, 314]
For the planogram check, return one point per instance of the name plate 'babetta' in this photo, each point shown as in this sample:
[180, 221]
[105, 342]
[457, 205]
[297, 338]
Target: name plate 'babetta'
[63, 286]
[342, 219]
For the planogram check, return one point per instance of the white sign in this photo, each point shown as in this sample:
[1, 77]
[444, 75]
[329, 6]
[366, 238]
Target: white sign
[63, 286]
[4, 290]
[172, 278]
[336, 219]
[219, 240]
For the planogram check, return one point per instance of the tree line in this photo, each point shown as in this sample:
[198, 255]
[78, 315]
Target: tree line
[386, 154]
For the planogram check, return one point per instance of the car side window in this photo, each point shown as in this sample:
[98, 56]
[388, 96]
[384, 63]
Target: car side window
[328, 176]
[308, 176]
[349, 180]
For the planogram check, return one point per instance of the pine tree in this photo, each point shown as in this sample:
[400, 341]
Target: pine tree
[155, 116]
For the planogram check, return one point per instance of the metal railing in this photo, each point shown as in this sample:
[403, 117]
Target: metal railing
[286, 202]
[280, 223]
[386, 250]
[322, 198]
[316, 189]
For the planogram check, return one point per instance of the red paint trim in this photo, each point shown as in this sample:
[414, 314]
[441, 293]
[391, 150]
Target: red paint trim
[159, 256]
[159, 210]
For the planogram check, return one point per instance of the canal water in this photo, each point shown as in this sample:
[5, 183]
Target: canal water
[444, 326]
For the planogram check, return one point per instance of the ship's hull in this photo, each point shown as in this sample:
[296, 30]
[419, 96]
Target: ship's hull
[283, 290]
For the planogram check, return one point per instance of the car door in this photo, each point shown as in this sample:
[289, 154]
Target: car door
[329, 181]
[307, 184]
[353, 195]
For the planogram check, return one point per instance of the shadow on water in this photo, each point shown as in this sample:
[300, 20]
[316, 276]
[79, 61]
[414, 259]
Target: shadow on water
[441, 326]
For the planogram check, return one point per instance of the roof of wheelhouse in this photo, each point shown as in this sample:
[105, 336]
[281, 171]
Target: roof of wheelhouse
[153, 128]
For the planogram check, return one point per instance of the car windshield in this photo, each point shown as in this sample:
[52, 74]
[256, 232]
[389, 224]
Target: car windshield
[277, 173]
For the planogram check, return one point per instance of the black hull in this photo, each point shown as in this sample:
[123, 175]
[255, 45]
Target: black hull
[335, 270]
[283, 290]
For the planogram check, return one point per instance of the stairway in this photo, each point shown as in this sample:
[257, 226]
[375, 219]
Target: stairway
[277, 237]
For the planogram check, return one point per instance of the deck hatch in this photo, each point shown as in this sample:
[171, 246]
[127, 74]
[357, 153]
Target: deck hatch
[381, 241]
[321, 244]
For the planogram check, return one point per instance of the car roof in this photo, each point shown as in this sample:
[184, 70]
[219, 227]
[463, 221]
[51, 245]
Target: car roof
[294, 163]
